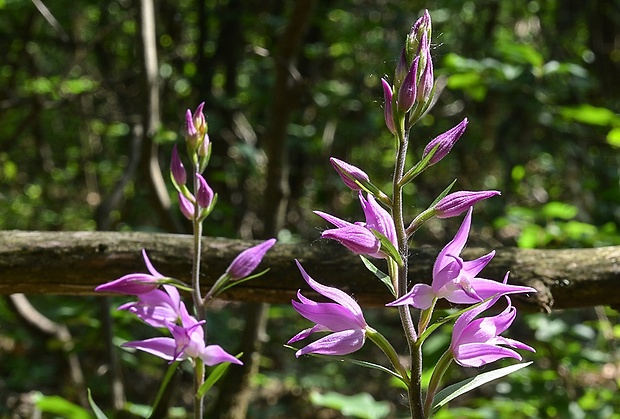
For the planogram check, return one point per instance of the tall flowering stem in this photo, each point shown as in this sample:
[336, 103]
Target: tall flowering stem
[383, 235]
[164, 309]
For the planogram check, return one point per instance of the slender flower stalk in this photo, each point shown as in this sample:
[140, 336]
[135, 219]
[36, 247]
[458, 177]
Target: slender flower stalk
[383, 235]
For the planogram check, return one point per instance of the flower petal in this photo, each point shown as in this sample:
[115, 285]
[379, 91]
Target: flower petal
[149, 266]
[214, 354]
[162, 347]
[455, 247]
[332, 220]
[339, 343]
[331, 315]
[334, 294]
[478, 354]
[421, 296]
[486, 288]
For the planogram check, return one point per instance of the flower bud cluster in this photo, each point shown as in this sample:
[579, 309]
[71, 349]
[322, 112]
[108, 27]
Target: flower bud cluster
[413, 86]
[196, 205]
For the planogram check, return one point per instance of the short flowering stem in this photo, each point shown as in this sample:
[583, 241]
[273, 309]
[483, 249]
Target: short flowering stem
[199, 378]
[440, 368]
[387, 348]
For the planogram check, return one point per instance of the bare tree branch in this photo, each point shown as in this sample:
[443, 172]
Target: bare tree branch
[76, 262]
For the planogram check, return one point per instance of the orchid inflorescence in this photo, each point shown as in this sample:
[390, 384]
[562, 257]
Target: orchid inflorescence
[159, 302]
[476, 341]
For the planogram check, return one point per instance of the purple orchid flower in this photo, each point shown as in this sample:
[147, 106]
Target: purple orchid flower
[157, 308]
[358, 237]
[476, 342]
[134, 283]
[455, 279]
[187, 343]
[343, 318]
[248, 260]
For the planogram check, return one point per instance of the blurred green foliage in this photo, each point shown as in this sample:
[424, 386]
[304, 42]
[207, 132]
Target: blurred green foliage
[537, 80]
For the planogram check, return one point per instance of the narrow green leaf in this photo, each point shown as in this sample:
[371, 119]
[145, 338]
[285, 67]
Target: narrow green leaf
[443, 194]
[358, 362]
[451, 392]
[419, 167]
[385, 278]
[214, 376]
[98, 412]
[388, 248]
[231, 284]
[164, 383]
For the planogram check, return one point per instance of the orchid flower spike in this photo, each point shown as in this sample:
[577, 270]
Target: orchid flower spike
[343, 318]
[135, 283]
[456, 280]
[477, 342]
[359, 237]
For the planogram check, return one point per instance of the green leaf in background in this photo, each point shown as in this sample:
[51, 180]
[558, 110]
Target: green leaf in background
[61, 407]
[98, 412]
[361, 405]
[559, 210]
[589, 114]
[451, 392]
[520, 53]
[613, 137]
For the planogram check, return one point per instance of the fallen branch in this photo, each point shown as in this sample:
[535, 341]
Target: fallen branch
[75, 262]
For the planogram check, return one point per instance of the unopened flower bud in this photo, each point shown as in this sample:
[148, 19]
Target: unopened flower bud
[458, 202]
[248, 260]
[408, 89]
[389, 113]
[176, 168]
[195, 127]
[444, 142]
[204, 195]
[349, 173]
[186, 206]
[402, 68]
[415, 39]
[425, 85]
[200, 122]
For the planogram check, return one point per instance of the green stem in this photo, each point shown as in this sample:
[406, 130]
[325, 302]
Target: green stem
[199, 379]
[199, 371]
[438, 372]
[387, 348]
[197, 230]
[415, 389]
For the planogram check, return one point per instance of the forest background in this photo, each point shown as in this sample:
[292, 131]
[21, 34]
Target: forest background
[88, 120]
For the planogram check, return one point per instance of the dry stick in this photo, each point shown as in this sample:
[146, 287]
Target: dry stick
[59, 331]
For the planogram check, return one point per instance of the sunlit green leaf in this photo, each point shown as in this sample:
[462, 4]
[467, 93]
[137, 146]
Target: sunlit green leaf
[451, 392]
[613, 137]
[589, 114]
[60, 406]
[361, 405]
